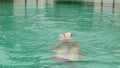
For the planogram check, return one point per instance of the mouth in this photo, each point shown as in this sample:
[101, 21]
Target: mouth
[62, 59]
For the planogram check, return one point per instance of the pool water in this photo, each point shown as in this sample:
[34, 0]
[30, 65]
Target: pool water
[28, 34]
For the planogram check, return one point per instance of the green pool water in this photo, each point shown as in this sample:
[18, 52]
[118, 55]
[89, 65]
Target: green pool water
[28, 34]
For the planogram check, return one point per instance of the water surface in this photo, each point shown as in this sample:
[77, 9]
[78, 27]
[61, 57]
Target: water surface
[29, 32]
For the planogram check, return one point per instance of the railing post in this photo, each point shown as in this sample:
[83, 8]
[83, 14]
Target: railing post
[113, 6]
[101, 5]
[36, 2]
[25, 2]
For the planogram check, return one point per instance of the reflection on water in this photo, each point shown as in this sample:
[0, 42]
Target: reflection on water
[29, 29]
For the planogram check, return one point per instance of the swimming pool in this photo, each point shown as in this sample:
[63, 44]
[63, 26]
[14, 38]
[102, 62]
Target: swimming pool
[29, 32]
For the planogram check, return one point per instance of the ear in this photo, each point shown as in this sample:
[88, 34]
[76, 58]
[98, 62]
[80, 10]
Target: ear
[61, 36]
[68, 35]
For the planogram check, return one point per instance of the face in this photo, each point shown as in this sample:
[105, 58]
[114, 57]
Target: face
[60, 49]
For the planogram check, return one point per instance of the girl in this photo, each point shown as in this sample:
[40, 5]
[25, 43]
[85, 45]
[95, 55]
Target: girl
[66, 50]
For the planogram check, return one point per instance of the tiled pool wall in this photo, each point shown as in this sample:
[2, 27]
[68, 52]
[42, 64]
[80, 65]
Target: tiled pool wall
[104, 6]
[117, 2]
[94, 1]
[105, 1]
[98, 1]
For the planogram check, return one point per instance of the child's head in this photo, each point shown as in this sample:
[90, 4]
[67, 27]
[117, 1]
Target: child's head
[66, 50]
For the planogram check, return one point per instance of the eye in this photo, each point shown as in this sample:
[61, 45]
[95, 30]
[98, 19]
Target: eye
[60, 47]
[69, 47]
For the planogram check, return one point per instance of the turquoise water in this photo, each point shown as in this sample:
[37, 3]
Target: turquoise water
[28, 34]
